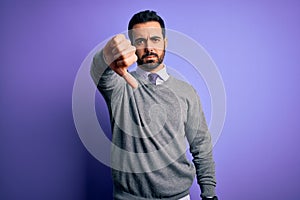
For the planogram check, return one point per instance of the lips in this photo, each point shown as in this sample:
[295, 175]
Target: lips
[149, 56]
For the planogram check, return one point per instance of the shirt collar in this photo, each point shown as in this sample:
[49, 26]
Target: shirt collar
[163, 75]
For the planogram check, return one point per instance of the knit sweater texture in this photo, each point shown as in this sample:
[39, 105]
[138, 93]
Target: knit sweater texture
[152, 127]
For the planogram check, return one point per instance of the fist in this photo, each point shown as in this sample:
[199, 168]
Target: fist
[119, 54]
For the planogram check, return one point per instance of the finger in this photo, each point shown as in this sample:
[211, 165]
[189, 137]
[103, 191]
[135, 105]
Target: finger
[130, 80]
[127, 61]
[125, 53]
[117, 40]
[124, 44]
[119, 70]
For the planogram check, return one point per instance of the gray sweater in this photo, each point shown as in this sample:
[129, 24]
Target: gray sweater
[152, 126]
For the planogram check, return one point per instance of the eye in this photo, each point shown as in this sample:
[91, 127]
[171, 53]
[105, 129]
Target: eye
[155, 40]
[140, 42]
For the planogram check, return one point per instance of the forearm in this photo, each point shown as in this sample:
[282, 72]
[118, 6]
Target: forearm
[98, 66]
[201, 147]
[204, 163]
[103, 76]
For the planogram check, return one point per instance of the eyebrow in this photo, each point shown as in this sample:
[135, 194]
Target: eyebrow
[142, 38]
[155, 37]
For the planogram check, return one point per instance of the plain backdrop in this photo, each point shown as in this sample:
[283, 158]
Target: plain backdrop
[255, 45]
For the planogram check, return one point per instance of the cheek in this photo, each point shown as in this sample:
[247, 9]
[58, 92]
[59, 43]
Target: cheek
[160, 51]
[160, 48]
[163, 47]
[139, 52]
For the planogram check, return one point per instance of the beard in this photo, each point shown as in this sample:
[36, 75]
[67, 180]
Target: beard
[151, 64]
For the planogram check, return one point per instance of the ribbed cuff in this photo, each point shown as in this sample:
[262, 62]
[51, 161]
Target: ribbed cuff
[208, 190]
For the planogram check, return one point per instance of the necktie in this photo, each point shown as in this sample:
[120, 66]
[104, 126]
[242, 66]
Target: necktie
[152, 78]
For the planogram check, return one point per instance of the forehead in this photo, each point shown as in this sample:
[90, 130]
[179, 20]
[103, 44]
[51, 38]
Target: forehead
[147, 29]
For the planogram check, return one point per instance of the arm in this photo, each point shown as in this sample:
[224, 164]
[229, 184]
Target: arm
[104, 77]
[199, 139]
[111, 63]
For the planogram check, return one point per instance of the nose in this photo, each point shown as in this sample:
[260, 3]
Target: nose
[148, 45]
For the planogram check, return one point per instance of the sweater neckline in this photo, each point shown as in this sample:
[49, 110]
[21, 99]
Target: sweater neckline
[148, 83]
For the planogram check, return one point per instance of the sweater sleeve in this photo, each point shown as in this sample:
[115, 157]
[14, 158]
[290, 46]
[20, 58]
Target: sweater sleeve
[104, 77]
[199, 140]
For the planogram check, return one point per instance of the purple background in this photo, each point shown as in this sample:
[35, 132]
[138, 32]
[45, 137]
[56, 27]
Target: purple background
[255, 44]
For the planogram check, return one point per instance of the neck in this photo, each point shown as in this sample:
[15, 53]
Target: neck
[156, 69]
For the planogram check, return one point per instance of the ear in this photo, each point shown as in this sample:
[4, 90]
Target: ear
[166, 42]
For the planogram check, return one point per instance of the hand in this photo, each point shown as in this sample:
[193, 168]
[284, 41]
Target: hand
[119, 54]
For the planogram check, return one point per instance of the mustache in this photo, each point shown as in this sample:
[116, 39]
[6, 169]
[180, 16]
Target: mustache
[149, 54]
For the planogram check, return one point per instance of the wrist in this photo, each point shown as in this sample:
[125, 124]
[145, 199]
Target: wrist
[104, 58]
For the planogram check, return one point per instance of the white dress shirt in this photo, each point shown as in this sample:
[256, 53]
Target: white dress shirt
[162, 74]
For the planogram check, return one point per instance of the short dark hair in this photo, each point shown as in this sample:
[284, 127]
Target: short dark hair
[145, 16]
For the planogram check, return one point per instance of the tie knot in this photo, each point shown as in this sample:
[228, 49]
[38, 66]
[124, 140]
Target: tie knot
[152, 78]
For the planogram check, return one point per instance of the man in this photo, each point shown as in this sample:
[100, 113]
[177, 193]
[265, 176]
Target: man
[152, 117]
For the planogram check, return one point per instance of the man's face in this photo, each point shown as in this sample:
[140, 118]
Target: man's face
[150, 45]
